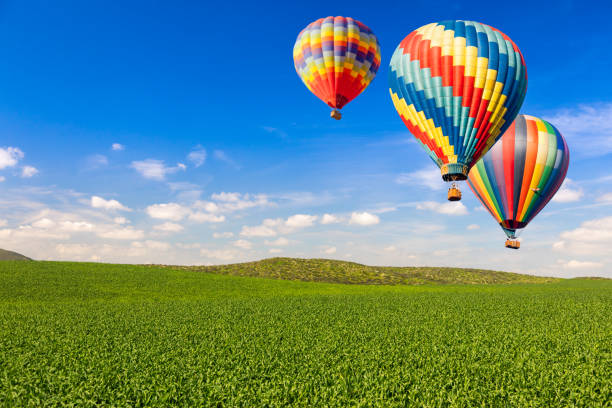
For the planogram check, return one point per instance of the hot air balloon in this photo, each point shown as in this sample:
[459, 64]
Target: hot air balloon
[336, 58]
[520, 174]
[457, 85]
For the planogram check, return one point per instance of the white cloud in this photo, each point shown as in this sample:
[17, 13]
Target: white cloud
[9, 156]
[112, 205]
[28, 233]
[330, 250]
[167, 211]
[207, 206]
[76, 226]
[28, 171]
[568, 192]
[275, 250]
[429, 177]
[155, 169]
[244, 244]
[121, 220]
[263, 230]
[574, 264]
[329, 219]
[121, 233]
[3, 223]
[44, 223]
[448, 208]
[206, 217]
[282, 241]
[157, 245]
[271, 227]
[117, 146]
[228, 202]
[72, 250]
[364, 218]
[197, 156]
[590, 124]
[168, 227]
[390, 248]
[591, 238]
[300, 221]
[223, 234]
[473, 227]
[221, 254]
[605, 198]
[2, 178]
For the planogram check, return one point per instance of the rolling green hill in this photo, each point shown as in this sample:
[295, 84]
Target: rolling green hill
[12, 256]
[332, 271]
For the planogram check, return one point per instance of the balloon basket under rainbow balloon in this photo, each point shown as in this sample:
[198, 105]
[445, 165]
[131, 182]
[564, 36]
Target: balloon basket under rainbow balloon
[513, 244]
[335, 114]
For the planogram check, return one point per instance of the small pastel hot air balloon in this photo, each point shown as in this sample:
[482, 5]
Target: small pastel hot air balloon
[520, 174]
[336, 58]
[457, 85]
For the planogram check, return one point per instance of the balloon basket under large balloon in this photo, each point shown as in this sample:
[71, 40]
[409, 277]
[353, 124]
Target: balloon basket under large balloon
[335, 114]
[454, 194]
[513, 244]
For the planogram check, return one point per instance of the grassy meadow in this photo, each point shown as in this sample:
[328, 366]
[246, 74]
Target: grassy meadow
[79, 334]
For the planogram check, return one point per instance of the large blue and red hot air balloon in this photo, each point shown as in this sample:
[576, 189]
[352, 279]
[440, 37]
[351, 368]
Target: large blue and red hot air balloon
[336, 58]
[521, 173]
[457, 85]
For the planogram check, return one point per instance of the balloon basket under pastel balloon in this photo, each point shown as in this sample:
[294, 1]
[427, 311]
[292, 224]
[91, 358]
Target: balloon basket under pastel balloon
[454, 194]
[335, 114]
[454, 171]
[513, 244]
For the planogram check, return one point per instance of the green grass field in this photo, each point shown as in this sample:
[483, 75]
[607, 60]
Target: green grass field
[77, 334]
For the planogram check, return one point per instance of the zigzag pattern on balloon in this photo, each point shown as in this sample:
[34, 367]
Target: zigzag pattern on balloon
[457, 86]
[336, 58]
[521, 173]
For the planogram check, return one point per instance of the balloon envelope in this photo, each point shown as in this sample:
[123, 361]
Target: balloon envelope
[336, 58]
[521, 173]
[457, 85]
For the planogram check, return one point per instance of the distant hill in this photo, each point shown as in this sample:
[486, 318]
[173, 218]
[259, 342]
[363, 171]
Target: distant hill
[12, 256]
[327, 270]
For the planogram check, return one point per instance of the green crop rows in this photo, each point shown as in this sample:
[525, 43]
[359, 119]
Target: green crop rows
[115, 335]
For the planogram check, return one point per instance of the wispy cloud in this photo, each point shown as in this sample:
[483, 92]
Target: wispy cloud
[428, 177]
[155, 169]
[222, 156]
[569, 192]
[95, 161]
[448, 208]
[587, 128]
[197, 156]
[117, 147]
[275, 131]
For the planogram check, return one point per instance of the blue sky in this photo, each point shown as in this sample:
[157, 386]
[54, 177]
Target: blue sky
[222, 155]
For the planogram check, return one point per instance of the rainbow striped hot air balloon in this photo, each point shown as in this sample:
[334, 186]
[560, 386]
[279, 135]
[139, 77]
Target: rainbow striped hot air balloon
[457, 85]
[336, 58]
[521, 173]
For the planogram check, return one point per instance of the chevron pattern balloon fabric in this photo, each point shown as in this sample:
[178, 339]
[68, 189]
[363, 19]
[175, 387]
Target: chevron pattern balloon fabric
[521, 173]
[457, 86]
[337, 58]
